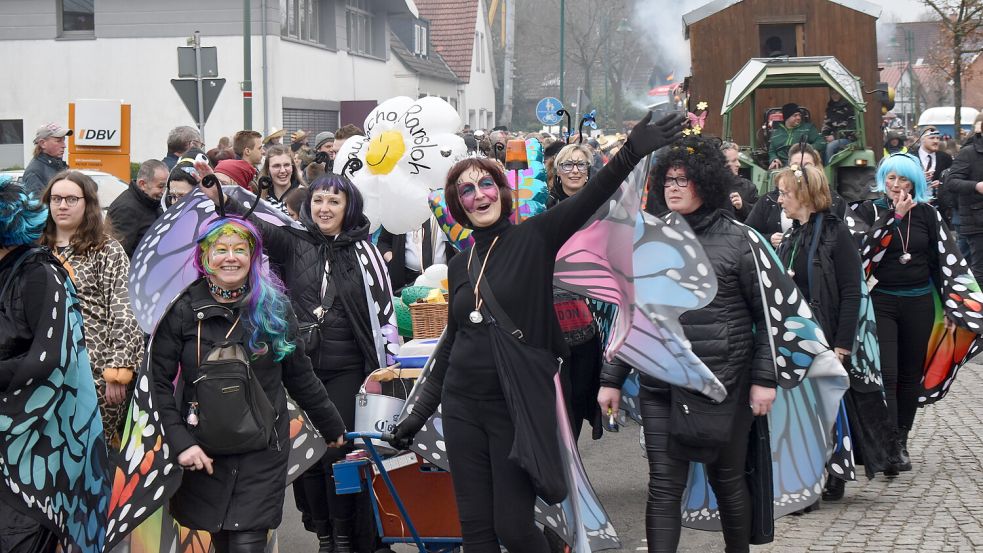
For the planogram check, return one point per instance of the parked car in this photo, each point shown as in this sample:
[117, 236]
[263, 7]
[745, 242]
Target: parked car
[109, 186]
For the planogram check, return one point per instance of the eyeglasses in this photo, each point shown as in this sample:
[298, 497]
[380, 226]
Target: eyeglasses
[569, 166]
[71, 201]
[681, 182]
[467, 190]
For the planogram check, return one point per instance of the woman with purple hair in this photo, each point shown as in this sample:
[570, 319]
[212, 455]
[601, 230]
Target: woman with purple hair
[339, 287]
[237, 303]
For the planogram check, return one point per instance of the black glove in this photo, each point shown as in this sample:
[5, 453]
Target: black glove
[648, 137]
[402, 436]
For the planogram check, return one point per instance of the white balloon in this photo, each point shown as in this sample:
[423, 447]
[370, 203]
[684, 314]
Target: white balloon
[407, 204]
[354, 146]
[387, 115]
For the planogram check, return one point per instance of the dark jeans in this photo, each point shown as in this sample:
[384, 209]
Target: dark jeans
[314, 491]
[667, 479]
[239, 542]
[904, 326]
[495, 498]
[20, 533]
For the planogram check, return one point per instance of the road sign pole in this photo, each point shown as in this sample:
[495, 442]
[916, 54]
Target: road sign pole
[201, 95]
[247, 70]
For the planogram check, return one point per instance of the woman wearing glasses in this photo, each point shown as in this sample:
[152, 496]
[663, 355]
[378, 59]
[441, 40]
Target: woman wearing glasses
[100, 270]
[493, 375]
[571, 170]
[692, 179]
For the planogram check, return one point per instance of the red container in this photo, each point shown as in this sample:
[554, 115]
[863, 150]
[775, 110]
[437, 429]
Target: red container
[427, 494]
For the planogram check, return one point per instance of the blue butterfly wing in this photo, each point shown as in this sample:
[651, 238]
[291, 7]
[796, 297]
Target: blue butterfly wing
[842, 462]
[699, 505]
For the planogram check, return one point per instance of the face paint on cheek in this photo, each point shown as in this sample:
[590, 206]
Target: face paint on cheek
[468, 203]
[492, 194]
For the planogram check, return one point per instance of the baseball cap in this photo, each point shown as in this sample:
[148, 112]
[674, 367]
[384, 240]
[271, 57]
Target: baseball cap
[321, 138]
[51, 129]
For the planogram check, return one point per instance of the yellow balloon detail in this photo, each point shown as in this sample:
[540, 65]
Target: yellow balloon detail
[385, 150]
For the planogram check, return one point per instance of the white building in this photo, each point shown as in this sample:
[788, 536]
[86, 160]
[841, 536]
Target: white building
[326, 63]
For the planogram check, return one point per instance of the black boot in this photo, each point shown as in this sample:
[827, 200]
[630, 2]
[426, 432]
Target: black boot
[325, 544]
[893, 455]
[342, 529]
[834, 489]
[904, 460]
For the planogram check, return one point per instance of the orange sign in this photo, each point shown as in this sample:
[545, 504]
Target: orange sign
[109, 159]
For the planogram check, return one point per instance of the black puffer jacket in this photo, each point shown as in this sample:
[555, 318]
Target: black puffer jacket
[720, 333]
[346, 338]
[130, 215]
[244, 492]
[766, 216]
[966, 172]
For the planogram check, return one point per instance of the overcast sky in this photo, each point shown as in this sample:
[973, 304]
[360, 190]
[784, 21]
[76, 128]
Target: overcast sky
[901, 10]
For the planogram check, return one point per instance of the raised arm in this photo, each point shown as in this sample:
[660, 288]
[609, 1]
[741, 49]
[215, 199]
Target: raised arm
[561, 222]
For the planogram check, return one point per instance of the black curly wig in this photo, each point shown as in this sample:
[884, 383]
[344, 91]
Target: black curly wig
[705, 166]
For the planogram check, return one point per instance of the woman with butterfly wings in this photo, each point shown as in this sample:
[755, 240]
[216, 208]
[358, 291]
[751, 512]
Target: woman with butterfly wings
[926, 301]
[820, 254]
[339, 287]
[695, 182]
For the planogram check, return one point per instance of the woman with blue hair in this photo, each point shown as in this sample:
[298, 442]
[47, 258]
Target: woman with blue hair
[904, 266]
[338, 285]
[46, 395]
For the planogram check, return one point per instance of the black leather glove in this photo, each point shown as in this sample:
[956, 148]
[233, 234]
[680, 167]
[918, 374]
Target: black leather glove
[648, 137]
[403, 434]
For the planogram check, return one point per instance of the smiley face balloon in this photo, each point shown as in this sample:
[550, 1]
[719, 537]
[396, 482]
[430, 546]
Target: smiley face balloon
[408, 149]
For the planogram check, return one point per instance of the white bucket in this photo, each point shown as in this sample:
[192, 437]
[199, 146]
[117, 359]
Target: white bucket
[377, 413]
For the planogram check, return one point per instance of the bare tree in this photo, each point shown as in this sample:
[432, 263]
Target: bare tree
[962, 36]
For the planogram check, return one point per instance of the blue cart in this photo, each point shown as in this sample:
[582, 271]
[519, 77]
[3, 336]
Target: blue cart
[427, 496]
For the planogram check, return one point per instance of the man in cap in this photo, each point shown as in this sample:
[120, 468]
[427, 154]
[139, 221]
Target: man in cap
[49, 147]
[789, 132]
[273, 139]
[323, 143]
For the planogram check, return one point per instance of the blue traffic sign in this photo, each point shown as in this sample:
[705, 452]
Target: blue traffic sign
[546, 111]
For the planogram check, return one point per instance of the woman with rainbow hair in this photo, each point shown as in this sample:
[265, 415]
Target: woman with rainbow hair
[926, 302]
[237, 498]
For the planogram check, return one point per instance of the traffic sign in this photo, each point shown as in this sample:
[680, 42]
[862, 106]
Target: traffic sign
[187, 90]
[187, 65]
[546, 111]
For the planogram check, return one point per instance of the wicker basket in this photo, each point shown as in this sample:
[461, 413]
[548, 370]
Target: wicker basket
[429, 319]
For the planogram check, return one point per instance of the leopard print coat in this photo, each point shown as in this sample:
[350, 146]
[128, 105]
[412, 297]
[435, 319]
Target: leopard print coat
[111, 333]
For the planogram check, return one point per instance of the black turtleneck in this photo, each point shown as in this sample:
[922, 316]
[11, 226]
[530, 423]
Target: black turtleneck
[520, 272]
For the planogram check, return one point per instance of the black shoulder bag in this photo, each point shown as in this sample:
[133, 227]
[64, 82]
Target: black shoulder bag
[230, 412]
[527, 376]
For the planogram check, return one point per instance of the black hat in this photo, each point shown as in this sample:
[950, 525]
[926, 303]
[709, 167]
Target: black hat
[789, 109]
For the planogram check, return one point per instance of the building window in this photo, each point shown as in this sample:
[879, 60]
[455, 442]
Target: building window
[300, 19]
[780, 40]
[313, 121]
[76, 18]
[420, 42]
[360, 22]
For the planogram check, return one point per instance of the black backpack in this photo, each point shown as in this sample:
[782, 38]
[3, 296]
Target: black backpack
[229, 406]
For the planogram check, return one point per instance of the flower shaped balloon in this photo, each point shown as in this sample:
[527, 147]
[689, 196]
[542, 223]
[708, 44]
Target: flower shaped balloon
[409, 147]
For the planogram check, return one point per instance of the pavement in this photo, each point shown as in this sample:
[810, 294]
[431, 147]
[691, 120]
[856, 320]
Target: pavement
[937, 507]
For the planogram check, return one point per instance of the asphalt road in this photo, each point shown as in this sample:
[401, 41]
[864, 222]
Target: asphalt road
[616, 467]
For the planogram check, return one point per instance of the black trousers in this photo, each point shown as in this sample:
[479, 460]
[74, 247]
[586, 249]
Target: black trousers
[240, 542]
[975, 252]
[314, 491]
[580, 376]
[904, 325]
[495, 498]
[667, 479]
[20, 533]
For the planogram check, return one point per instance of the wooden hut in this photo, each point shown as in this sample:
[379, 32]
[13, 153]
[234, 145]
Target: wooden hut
[725, 34]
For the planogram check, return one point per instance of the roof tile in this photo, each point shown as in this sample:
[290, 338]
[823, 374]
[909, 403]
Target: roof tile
[452, 26]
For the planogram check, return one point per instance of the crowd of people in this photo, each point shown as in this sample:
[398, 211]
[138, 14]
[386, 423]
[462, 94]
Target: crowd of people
[310, 322]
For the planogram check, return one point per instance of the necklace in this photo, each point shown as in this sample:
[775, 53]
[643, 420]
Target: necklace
[227, 294]
[475, 316]
[791, 260]
[905, 242]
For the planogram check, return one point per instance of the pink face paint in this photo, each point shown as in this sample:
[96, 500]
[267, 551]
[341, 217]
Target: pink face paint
[468, 192]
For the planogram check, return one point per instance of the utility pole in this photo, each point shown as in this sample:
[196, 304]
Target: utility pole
[509, 73]
[563, 45]
[247, 66]
[200, 92]
[909, 41]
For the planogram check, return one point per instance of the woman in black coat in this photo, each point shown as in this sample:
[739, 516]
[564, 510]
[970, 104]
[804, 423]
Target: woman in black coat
[339, 288]
[236, 497]
[695, 183]
[831, 282]
[495, 380]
